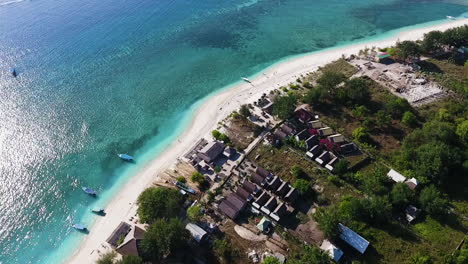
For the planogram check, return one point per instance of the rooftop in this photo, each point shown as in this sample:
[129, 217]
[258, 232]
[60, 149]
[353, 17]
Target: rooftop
[353, 238]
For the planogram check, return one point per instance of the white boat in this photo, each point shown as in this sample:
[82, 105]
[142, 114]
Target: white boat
[451, 17]
[246, 80]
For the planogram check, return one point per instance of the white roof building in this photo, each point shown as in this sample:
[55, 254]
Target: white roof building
[395, 176]
[334, 252]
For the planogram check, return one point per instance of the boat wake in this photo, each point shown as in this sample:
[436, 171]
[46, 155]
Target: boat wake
[11, 2]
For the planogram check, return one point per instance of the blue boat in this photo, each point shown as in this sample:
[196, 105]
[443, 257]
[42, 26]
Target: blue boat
[125, 157]
[14, 73]
[89, 191]
[79, 227]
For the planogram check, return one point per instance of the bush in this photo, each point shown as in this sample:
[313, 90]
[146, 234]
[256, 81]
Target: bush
[216, 134]
[401, 195]
[357, 91]
[297, 171]
[130, 259]
[107, 258]
[383, 119]
[329, 80]
[396, 106]
[194, 213]
[313, 96]
[302, 186]
[197, 178]
[181, 179]
[271, 260]
[360, 111]
[223, 249]
[409, 119]
[327, 219]
[158, 202]
[360, 134]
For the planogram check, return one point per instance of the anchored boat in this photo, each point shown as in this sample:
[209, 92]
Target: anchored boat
[79, 227]
[125, 157]
[89, 191]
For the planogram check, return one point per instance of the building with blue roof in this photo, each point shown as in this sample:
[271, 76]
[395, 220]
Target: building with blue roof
[353, 238]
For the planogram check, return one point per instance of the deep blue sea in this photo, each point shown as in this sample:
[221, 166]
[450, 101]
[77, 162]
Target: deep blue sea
[101, 77]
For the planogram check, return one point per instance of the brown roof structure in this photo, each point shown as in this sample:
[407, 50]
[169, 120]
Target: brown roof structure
[226, 209]
[262, 172]
[232, 205]
[121, 231]
[243, 193]
[249, 186]
[132, 246]
[211, 151]
[257, 178]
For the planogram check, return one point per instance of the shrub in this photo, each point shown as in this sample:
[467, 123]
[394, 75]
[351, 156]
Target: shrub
[107, 258]
[197, 178]
[130, 259]
[181, 179]
[360, 111]
[271, 260]
[383, 119]
[216, 134]
[341, 167]
[360, 134]
[194, 213]
[409, 119]
[297, 171]
[223, 249]
[283, 106]
[302, 186]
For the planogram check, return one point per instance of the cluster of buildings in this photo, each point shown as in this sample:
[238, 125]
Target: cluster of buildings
[411, 212]
[321, 143]
[264, 192]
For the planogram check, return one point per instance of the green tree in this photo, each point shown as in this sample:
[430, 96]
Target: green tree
[407, 50]
[194, 213]
[313, 96]
[158, 202]
[270, 260]
[376, 209]
[396, 106]
[358, 91]
[360, 134]
[432, 42]
[341, 167]
[107, 258]
[329, 80]
[244, 111]
[383, 119]
[223, 249]
[462, 131]
[162, 238]
[373, 182]
[401, 195]
[409, 119]
[328, 219]
[284, 106]
[302, 186]
[130, 259]
[432, 201]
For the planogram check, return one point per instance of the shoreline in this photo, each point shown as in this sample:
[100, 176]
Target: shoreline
[215, 107]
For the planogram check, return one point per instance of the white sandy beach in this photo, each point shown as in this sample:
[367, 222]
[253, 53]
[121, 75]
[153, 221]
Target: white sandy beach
[216, 108]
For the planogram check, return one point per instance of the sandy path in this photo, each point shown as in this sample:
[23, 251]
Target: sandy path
[206, 118]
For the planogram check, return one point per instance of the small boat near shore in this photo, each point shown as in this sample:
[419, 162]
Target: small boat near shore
[79, 227]
[89, 191]
[451, 17]
[184, 187]
[125, 157]
[246, 80]
[98, 211]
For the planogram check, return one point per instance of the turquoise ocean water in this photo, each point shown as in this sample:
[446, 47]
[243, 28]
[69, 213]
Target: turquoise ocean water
[101, 77]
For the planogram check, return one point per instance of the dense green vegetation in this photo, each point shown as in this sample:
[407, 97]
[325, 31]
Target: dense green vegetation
[163, 237]
[156, 202]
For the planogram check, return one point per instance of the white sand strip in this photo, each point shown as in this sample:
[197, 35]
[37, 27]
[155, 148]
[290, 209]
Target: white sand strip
[216, 108]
